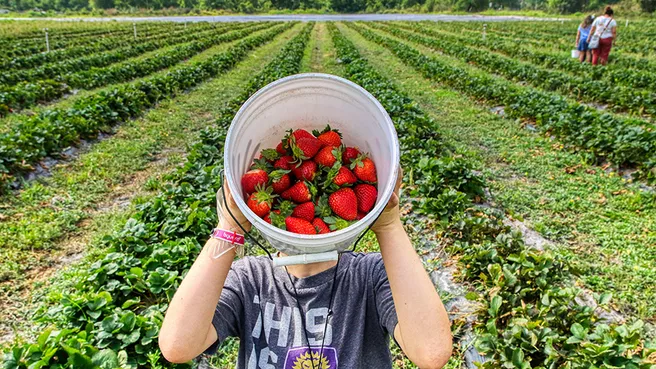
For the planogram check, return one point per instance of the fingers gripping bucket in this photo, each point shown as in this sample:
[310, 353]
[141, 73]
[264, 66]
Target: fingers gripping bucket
[311, 101]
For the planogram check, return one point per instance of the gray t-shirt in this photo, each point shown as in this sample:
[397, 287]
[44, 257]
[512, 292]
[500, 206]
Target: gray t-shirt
[257, 305]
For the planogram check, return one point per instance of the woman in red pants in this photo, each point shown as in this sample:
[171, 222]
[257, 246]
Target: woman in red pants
[606, 27]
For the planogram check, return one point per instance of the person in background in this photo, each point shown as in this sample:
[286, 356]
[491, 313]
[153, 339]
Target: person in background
[606, 26]
[585, 54]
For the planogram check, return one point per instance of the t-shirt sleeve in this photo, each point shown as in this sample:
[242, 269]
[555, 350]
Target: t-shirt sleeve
[229, 311]
[383, 294]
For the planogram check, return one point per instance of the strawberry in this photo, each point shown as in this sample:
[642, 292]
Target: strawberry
[366, 195]
[360, 216]
[253, 178]
[350, 153]
[280, 180]
[267, 218]
[280, 149]
[300, 192]
[320, 226]
[344, 203]
[260, 201]
[364, 169]
[305, 148]
[328, 156]
[306, 171]
[329, 136]
[285, 162]
[301, 133]
[304, 211]
[344, 177]
[298, 225]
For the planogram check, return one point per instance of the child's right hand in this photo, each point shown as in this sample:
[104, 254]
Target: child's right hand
[226, 221]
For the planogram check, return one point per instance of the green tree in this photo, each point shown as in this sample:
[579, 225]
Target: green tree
[648, 6]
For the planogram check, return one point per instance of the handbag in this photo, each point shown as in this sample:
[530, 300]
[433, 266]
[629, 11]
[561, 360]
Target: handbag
[594, 41]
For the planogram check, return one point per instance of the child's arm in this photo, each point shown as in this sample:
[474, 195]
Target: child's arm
[423, 330]
[187, 330]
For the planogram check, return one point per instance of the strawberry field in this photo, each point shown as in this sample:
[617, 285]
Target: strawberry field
[528, 184]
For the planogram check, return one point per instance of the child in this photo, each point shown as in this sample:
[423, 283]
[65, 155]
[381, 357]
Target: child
[585, 54]
[315, 316]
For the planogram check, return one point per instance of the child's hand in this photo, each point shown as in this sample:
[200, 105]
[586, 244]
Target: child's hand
[391, 217]
[225, 220]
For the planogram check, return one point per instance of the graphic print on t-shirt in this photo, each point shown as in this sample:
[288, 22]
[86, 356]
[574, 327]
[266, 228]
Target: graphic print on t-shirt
[301, 358]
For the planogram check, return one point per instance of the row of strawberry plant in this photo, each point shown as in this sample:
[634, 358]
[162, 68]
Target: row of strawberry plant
[36, 60]
[104, 58]
[51, 130]
[617, 58]
[25, 48]
[27, 94]
[531, 318]
[623, 141]
[615, 73]
[114, 309]
[71, 30]
[622, 98]
[556, 34]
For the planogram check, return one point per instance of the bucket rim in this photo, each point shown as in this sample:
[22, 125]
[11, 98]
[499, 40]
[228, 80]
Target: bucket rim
[258, 222]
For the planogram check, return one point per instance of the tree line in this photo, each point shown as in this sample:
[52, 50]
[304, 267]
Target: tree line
[339, 6]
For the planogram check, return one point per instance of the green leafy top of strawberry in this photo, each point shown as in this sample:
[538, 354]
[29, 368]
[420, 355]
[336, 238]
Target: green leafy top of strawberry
[286, 208]
[277, 174]
[328, 185]
[337, 223]
[322, 209]
[262, 164]
[270, 154]
[278, 220]
[316, 132]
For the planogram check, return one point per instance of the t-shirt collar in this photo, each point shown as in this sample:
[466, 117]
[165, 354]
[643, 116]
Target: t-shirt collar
[314, 280]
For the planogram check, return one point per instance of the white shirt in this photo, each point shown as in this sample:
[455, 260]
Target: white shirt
[601, 22]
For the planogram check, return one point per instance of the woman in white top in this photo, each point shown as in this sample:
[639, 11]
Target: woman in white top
[606, 27]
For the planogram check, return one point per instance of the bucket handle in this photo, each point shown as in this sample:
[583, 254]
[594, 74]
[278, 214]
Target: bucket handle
[305, 258]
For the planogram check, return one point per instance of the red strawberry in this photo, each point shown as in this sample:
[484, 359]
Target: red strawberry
[280, 180]
[260, 201]
[329, 136]
[328, 156]
[305, 148]
[304, 211]
[253, 178]
[267, 218]
[364, 168]
[344, 177]
[300, 192]
[344, 203]
[281, 149]
[320, 226]
[301, 133]
[361, 215]
[285, 162]
[306, 171]
[366, 195]
[350, 153]
[300, 226]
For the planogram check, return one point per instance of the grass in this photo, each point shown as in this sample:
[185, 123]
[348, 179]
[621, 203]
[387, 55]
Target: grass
[44, 216]
[603, 223]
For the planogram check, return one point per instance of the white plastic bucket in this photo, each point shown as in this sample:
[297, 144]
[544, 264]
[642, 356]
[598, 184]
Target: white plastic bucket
[310, 101]
[575, 53]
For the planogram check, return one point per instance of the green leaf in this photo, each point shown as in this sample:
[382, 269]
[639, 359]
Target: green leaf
[105, 359]
[605, 297]
[495, 304]
[518, 358]
[578, 331]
